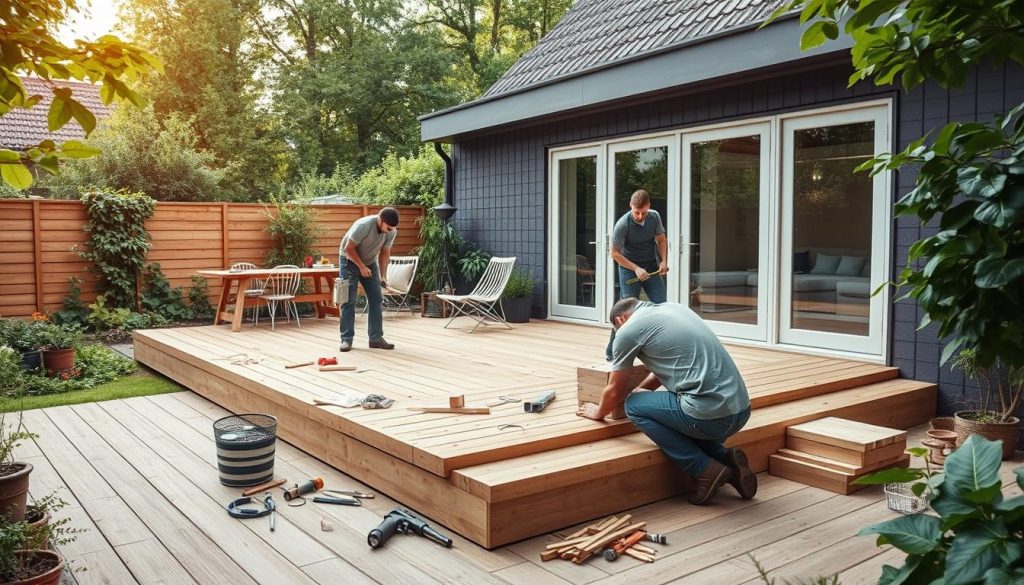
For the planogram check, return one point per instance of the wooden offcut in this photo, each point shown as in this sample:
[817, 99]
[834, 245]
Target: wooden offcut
[827, 478]
[492, 486]
[847, 434]
[591, 381]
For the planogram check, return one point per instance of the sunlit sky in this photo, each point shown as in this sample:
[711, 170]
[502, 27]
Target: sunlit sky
[94, 19]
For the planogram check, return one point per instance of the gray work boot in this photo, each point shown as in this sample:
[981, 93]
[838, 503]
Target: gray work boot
[708, 483]
[346, 345]
[743, 479]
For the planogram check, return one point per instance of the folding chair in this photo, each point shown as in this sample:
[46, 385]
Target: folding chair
[256, 285]
[282, 286]
[484, 303]
[400, 277]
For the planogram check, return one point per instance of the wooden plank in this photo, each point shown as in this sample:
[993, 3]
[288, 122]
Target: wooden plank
[847, 434]
[853, 457]
[38, 260]
[826, 478]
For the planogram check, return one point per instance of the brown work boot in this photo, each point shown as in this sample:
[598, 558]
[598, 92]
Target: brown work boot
[708, 483]
[743, 479]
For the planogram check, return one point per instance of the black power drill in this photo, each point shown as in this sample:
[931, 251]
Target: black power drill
[404, 521]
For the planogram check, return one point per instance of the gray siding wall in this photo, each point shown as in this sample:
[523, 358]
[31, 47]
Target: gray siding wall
[501, 178]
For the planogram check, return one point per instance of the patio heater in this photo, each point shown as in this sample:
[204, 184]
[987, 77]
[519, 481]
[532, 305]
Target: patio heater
[444, 212]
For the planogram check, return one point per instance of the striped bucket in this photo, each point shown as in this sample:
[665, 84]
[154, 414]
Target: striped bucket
[245, 448]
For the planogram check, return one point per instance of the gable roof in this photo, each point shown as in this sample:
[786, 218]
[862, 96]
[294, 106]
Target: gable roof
[21, 129]
[599, 33]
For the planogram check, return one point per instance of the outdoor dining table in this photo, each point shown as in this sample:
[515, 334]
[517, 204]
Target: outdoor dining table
[323, 287]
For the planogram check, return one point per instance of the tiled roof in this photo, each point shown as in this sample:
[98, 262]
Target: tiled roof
[20, 128]
[598, 33]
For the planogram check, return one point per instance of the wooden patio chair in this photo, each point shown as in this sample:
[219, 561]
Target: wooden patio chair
[400, 277]
[282, 286]
[484, 302]
[256, 285]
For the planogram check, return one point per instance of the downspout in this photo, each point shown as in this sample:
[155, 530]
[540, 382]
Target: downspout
[444, 212]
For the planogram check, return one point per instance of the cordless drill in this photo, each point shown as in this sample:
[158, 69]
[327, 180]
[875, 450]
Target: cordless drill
[404, 521]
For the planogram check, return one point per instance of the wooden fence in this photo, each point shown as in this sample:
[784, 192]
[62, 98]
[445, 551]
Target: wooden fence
[38, 239]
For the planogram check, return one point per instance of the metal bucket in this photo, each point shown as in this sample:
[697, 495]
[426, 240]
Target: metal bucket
[245, 448]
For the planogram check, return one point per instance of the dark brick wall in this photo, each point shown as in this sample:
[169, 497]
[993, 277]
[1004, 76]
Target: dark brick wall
[501, 188]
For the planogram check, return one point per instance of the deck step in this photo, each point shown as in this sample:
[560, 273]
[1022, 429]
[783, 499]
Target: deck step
[546, 491]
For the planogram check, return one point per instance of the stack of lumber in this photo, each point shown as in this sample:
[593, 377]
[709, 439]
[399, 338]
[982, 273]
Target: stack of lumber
[831, 453]
[594, 539]
[591, 382]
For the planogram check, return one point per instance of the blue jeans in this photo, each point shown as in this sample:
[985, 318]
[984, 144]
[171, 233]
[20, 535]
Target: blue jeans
[690, 442]
[655, 287]
[371, 286]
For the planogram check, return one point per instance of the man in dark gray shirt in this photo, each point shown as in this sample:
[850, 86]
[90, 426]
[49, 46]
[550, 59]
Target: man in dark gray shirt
[363, 256]
[640, 249]
[706, 401]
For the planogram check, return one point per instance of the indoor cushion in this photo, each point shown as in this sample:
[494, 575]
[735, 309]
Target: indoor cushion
[802, 261]
[825, 264]
[851, 265]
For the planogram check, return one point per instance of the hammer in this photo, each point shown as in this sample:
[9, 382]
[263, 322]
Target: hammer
[610, 554]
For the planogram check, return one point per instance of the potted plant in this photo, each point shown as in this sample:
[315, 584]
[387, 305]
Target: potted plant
[21, 336]
[58, 343]
[993, 413]
[26, 555]
[13, 474]
[472, 262]
[515, 300]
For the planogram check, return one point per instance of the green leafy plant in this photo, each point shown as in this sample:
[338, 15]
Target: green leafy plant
[295, 231]
[102, 318]
[11, 436]
[472, 262]
[160, 298]
[74, 310]
[1000, 387]
[148, 320]
[25, 536]
[51, 336]
[20, 335]
[398, 180]
[520, 284]
[118, 241]
[199, 298]
[11, 377]
[977, 537]
[438, 237]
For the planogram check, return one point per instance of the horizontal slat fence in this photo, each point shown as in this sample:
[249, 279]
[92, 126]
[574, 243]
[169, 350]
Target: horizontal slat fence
[38, 239]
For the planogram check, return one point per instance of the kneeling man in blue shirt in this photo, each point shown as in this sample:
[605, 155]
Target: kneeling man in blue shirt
[706, 400]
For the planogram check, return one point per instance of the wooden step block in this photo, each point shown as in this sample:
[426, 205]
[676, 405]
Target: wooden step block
[826, 478]
[847, 434]
[839, 465]
[592, 380]
[855, 458]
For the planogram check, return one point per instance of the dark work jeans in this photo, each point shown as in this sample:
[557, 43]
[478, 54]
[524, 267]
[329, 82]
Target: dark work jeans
[689, 442]
[371, 286]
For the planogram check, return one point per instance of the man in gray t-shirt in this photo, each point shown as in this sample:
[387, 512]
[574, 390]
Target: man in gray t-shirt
[706, 400]
[363, 257]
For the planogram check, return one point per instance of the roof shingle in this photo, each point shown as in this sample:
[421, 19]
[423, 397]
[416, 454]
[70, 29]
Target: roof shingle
[598, 33]
[21, 129]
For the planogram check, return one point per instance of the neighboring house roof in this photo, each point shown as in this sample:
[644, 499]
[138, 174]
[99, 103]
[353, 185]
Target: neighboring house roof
[598, 33]
[604, 52]
[21, 128]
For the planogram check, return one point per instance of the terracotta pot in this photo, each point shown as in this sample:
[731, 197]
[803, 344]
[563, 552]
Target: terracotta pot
[50, 562]
[59, 359]
[14, 490]
[966, 424]
[31, 360]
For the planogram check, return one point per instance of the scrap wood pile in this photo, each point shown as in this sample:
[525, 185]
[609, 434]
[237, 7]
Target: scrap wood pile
[611, 538]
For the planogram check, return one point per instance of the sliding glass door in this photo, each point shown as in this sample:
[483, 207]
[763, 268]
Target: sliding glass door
[578, 257]
[835, 231]
[726, 203]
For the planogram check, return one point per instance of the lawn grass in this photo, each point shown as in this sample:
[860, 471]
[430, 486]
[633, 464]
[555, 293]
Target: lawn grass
[140, 384]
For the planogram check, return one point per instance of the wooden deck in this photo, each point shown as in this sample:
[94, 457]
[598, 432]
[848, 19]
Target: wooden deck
[140, 475]
[496, 486]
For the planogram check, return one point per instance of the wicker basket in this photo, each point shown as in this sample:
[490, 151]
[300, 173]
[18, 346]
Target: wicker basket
[431, 306]
[900, 498]
[1006, 432]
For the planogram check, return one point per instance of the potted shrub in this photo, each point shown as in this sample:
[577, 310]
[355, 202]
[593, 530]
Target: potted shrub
[21, 336]
[26, 555]
[993, 414]
[58, 343]
[13, 474]
[515, 300]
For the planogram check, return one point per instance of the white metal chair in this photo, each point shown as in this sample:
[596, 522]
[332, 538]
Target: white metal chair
[400, 277]
[282, 286]
[256, 285]
[484, 302]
